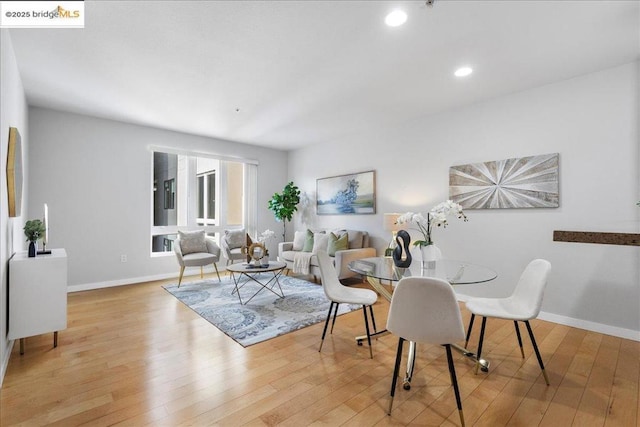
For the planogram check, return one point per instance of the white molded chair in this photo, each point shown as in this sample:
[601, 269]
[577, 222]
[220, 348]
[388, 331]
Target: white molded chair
[338, 294]
[425, 310]
[523, 305]
[197, 259]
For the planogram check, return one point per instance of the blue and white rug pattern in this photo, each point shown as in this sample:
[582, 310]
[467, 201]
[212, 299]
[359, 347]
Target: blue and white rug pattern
[266, 316]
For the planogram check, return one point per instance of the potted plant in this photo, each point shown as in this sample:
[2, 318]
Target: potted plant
[285, 204]
[34, 230]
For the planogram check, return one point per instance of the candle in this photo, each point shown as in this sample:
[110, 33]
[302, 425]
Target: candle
[45, 221]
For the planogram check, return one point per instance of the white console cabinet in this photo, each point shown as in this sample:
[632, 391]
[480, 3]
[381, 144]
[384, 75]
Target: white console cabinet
[37, 295]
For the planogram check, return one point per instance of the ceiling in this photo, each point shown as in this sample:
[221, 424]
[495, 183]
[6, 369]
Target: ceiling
[292, 73]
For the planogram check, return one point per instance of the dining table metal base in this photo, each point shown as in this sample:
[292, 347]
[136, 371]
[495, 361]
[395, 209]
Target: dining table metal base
[385, 290]
[411, 356]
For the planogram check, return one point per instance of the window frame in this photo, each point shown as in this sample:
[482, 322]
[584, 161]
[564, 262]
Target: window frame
[188, 216]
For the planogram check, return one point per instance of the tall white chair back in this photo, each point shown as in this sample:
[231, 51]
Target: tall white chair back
[338, 294]
[529, 291]
[425, 310]
[521, 306]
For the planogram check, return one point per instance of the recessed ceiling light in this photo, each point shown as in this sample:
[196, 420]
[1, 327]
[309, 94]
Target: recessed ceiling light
[396, 18]
[463, 71]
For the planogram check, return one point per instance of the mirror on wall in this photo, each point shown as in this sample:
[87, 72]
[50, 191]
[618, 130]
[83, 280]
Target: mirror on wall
[14, 172]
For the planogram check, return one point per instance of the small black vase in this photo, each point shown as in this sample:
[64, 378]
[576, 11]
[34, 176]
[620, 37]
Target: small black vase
[403, 239]
[32, 249]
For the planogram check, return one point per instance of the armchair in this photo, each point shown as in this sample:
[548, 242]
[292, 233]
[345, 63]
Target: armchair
[232, 242]
[194, 249]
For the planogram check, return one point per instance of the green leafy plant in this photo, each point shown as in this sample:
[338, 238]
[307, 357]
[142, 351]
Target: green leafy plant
[34, 230]
[283, 205]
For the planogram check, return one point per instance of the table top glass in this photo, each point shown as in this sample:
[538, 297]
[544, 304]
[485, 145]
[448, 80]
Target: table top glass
[455, 272]
[243, 267]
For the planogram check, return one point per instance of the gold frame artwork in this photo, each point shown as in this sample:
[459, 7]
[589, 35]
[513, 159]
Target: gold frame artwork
[14, 172]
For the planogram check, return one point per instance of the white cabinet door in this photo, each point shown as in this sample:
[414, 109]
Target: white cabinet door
[37, 294]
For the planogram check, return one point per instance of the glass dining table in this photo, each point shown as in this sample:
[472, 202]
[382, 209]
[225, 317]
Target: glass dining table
[382, 274]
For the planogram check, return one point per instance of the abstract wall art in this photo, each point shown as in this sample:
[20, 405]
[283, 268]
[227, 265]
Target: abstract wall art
[524, 182]
[346, 194]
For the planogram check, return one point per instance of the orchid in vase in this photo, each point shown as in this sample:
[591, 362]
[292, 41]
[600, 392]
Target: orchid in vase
[262, 238]
[435, 217]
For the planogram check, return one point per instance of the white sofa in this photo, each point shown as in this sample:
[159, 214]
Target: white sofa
[358, 248]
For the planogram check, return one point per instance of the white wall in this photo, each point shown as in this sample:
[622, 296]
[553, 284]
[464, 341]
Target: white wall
[95, 175]
[592, 121]
[13, 113]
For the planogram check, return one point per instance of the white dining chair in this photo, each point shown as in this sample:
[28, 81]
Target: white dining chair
[425, 310]
[338, 294]
[521, 306]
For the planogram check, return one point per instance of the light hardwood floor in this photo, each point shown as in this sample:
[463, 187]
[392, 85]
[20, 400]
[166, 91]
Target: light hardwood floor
[134, 356]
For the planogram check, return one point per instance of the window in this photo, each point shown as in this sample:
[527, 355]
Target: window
[197, 192]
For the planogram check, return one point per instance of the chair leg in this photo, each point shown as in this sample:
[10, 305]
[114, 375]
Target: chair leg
[454, 382]
[181, 273]
[535, 348]
[373, 319]
[217, 272]
[366, 324]
[515, 323]
[326, 323]
[484, 322]
[396, 368]
[335, 314]
[466, 342]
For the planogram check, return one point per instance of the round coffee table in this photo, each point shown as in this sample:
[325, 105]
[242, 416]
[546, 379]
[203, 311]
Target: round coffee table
[248, 273]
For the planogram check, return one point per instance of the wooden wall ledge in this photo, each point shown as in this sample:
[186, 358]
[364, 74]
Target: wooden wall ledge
[626, 239]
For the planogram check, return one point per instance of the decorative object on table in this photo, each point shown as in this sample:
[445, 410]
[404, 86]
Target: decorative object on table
[525, 182]
[401, 253]
[264, 238]
[391, 224]
[285, 204]
[34, 230]
[45, 237]
[255, 252]
[14, 172]
[437, 216]
[346, 194]
[266, 316]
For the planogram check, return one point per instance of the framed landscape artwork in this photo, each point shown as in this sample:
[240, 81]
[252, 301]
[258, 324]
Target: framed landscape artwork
[346, 194]
[525, 182]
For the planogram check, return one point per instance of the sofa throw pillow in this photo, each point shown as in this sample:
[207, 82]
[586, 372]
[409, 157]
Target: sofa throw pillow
[320, 242]
[355, 239]
[308, 242]
[337, 243]
[234, 238]
[298, 240]
[192, 242]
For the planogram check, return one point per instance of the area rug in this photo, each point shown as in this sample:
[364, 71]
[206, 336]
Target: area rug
[266, 316]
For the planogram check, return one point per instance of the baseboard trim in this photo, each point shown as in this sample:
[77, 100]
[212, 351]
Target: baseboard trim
[124, 282]
[600, 328]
